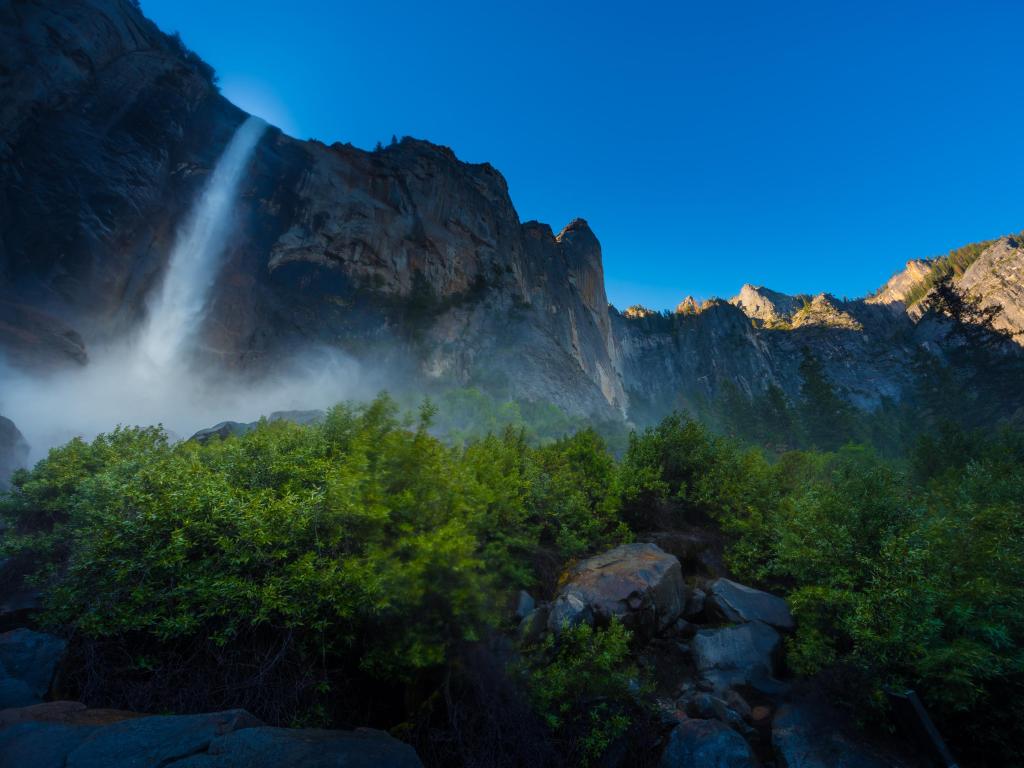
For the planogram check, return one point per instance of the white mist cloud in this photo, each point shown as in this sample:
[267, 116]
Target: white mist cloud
[116, 388]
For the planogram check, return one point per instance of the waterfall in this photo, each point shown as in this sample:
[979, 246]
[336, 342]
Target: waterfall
[177, 311]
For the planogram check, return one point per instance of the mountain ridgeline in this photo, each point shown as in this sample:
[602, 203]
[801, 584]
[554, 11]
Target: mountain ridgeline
[404, 258]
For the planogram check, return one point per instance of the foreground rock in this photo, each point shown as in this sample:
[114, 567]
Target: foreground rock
[741, 655]
[73, 739]
[27, 662]
[739, 603]
[706, 744]
[639, 584]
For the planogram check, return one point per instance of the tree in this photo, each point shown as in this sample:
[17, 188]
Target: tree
[828, 420]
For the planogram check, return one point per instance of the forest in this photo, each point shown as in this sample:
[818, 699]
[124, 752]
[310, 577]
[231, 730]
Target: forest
[362, 570]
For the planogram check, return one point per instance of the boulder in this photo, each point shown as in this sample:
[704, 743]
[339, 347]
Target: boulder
[739, 603]
[27, 662]
[809, 734]
[637, 583]
[739, 655]
[706, 744]
[67, 735]
[306, 747]
[13, 451]
[40, 744]
[156, 741]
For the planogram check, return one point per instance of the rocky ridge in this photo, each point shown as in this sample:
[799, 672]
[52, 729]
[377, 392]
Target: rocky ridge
[405, 257]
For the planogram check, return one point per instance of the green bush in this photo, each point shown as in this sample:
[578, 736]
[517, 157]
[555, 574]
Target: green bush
[585, 686]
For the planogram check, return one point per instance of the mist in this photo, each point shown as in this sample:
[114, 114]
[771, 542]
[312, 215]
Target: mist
[146, 378]
[116, 389]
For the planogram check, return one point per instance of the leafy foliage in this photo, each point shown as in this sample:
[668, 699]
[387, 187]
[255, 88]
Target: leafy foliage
[584, 685]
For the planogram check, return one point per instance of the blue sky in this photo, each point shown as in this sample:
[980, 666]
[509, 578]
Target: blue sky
[806, 146]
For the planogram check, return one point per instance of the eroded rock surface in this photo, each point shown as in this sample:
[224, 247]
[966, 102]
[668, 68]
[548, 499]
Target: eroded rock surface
[639, 584]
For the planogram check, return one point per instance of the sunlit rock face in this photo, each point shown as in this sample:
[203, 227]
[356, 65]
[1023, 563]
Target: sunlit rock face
[997, 278]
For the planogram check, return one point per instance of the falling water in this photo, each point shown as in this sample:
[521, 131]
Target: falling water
[175, 314]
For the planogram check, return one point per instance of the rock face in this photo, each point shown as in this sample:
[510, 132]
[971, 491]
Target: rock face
[231, 739]
[739, 603]
[767, 306]
[27, 663]
[638, 584]
[13, 450]
[706, 744]
[404, 258]
[997, 278]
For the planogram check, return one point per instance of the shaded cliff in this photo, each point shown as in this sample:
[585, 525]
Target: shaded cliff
[405, 258]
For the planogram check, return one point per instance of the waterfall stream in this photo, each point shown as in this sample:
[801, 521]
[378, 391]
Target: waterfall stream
[192, 268]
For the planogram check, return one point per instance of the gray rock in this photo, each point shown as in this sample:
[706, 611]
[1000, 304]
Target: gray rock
[40, 744]
[231, 739]
[637, 583]
[156, 741]
[569, 609]
[807, 735]
[27, 662]
[739, 655]
[306, 747]
[525, 604]
[737, 602]
[13, 451]
[706, 744]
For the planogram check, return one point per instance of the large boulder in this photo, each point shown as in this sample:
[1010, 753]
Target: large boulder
[308, 747]
[740, 655]
[706, 744]
[66, 735]
[639, 584]
[27, 662]
[809, 734]
[13, 451]
[738, 603]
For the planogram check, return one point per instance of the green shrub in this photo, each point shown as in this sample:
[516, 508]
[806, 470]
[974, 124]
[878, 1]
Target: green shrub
[585, 687]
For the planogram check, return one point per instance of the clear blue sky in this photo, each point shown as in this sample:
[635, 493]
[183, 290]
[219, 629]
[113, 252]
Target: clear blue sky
[806, 146]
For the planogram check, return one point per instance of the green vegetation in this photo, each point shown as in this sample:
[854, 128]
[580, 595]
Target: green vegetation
[360, 559]
[585, 687]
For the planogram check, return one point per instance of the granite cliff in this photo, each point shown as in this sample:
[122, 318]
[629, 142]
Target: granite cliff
[405, 257]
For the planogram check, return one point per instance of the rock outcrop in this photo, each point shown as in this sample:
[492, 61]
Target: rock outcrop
[996, 278]
[68, 737]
